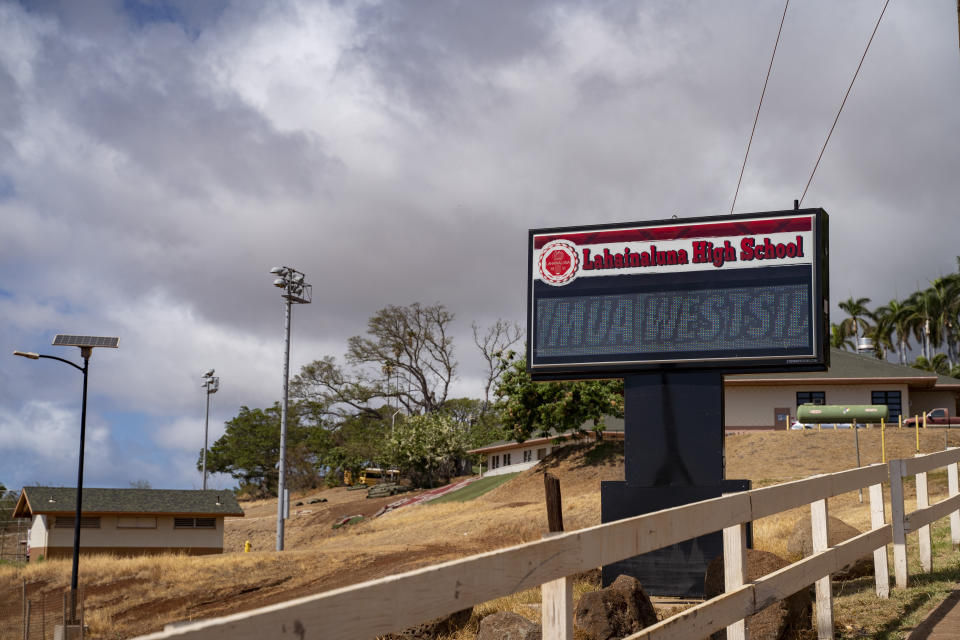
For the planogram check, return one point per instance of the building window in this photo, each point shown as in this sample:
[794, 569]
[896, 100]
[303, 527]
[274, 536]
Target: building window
[137, 522]
[506, 459]
[527, 455]
[811, 397]
[86, 522]
[891, 399]
[541, 453]
[495, 462]
[194, 523]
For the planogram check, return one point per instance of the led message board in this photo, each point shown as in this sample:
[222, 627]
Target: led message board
[731, 292]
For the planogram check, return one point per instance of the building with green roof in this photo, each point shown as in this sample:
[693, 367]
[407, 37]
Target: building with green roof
[126, 521]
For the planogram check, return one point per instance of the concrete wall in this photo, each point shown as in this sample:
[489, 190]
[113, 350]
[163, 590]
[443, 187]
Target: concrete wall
[37, 538]
[753, 406]
[111, 538]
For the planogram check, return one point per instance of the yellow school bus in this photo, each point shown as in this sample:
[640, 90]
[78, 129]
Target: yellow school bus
[373, 475]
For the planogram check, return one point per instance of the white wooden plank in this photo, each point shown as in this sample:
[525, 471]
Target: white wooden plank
[881, 572]
[897, 521]
[557, 609]
[702, 620]
[953, 485]
[923, 502]
[735, 572]
[824, 604]
[783, 583]
[930, 461]
[771, 500]
[916, 519]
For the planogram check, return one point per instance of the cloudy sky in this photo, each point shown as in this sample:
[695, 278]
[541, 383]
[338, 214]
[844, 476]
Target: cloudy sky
[158, 158]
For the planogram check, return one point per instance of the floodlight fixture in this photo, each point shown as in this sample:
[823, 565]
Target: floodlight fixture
[86, 344]
[208, 373]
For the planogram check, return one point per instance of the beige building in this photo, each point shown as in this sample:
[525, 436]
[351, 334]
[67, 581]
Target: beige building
[126, 521]
[770, 400]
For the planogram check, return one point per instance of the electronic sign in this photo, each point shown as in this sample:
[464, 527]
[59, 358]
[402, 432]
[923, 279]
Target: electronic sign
[741, 292]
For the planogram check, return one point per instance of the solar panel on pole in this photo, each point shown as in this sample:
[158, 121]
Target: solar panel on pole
[62, 340]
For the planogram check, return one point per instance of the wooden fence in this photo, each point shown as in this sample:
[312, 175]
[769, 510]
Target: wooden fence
[397, 602]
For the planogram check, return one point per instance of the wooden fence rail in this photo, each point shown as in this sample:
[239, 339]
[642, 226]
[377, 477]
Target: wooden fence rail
[397, 602]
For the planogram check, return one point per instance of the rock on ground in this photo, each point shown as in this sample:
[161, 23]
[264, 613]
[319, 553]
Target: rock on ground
[619, 610]
[800, 545]
[776, 621]
[506, 625]
[439, 626]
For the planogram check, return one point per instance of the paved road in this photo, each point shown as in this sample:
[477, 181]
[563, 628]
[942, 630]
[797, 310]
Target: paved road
[943, 623]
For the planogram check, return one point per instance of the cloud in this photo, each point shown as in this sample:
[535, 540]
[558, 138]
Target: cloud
[154, 164]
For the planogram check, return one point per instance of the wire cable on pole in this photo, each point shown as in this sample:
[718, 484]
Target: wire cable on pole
[762, 94]
[845, 96]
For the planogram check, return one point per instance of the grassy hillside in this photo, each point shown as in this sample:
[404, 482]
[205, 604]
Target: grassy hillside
[131, 596]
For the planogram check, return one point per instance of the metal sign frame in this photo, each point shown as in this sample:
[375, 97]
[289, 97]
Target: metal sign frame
[740, 255]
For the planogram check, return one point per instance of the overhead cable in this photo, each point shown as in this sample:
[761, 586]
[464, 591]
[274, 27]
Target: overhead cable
[762, 94]
[822, 149]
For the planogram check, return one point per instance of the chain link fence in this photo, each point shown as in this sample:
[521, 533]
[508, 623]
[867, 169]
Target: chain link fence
[37, 614]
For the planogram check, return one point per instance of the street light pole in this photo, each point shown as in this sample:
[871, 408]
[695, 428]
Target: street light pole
[211, 383]
[295, 290]
[86, 344]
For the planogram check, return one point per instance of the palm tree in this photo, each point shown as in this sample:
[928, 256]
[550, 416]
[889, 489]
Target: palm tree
[896, 315]
[922, 305]
[839, 338]
[858, 312]
[881, 332]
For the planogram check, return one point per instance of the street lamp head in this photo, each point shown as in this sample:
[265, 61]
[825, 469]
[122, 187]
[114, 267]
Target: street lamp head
[208, 373]
[280, 282]
[27, 354]
[278, 271]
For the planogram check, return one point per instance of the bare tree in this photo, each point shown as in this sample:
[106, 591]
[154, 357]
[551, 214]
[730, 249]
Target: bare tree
[493, 342]
[406, 355]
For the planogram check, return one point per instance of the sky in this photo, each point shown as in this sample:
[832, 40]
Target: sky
[157, 158]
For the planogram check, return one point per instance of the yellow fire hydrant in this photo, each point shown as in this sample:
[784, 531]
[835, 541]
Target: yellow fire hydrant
[246, 547]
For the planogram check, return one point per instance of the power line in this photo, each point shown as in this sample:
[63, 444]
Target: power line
[762, 94]
[845, 96]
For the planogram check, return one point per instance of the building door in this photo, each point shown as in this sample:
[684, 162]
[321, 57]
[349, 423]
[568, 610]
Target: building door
[782, 418]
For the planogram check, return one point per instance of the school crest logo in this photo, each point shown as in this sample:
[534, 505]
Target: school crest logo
[559, 262]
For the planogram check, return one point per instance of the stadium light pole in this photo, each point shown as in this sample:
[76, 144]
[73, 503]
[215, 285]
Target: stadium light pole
[86, 344]
[295, 290]
[212, 384]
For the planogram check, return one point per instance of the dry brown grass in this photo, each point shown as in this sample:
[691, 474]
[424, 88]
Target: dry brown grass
[128, 596]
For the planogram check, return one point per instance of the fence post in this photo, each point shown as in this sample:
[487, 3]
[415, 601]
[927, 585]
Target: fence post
[818, 521]
[880, 570]
[735, 573]
[556, 596]
[954, 487]
[897, 514]
[923, 502]
[26, 626]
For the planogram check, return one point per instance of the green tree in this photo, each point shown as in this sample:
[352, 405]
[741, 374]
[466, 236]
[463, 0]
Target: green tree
[530, 408]
[475, 417]
[426, 448]
[249, 449]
